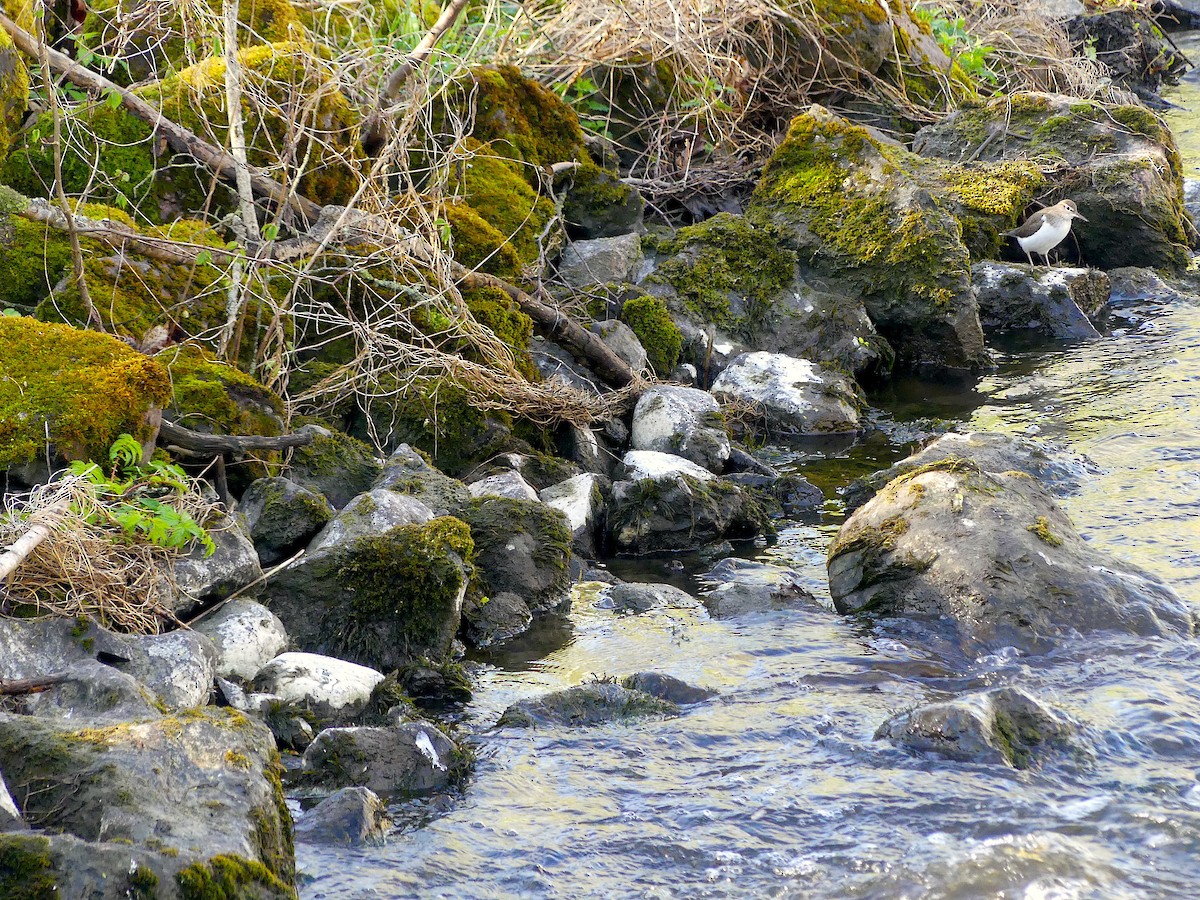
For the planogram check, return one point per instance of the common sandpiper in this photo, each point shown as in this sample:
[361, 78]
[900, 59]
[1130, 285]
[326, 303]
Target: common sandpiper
[1046, 229]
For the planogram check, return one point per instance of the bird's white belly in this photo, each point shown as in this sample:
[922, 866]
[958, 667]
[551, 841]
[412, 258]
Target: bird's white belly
[1045, 238]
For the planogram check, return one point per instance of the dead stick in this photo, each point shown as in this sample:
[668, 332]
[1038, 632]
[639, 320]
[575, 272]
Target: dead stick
[22, 686]
[42, 525]
[210, 444]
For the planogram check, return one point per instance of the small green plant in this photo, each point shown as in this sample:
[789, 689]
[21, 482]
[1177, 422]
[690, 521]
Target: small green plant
[142, 500]
[958, 43]
[590, 104]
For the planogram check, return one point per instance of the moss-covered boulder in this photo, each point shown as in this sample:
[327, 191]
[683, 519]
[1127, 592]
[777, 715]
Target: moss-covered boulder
[522, 547]
[885, 224]
[212, 397]
[197, 786]
[650, 320]
[380, 600]
[334, 465]
[282, 516]
[1119, 163]
[14, 92]
[82, 388]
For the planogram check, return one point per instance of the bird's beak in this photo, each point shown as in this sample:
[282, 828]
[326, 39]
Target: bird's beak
[1080, 217]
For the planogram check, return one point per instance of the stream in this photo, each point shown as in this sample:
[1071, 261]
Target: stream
[778, 788]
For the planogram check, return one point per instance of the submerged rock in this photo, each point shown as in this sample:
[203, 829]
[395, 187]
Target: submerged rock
[347, 817]
[745, 586]
[1004, 725]
[792, 396]
[684, 421]
[412, 758]
[1058, 303]
[667, 687]
[595, 703]
[637, 597]
[992, 557]
[282, 517]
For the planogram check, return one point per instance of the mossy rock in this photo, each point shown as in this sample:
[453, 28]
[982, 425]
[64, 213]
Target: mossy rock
[598, 204]
[335, 465]
[33, 259]
[215, 398]
[650, 320]
[1119, 163]
[382, 600]
[231, 877]
[480, 245]
[14, 92]
[82, 387]
[866, 214]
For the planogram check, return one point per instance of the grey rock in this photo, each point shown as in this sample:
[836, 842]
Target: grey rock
[638, 597]
[994, 561]
[623, 342]
[246, 636]
[1059, 302]
[96, 693]
[331, 688]
[595, 703]
[1004, 725]
[348, 817]
[203, 580]
[556, 364]
[793, 396]
[502, 617]
[1058, 470]
[505, 484]
[579, 499]
[656, 465]
[282, 517]
[601, 205]
[601, 260]
[684, 421]
[179, 666]
[407, 472]
[336, 466]
[745, 586]
[667, 687]
[407, 759]
[369, 514]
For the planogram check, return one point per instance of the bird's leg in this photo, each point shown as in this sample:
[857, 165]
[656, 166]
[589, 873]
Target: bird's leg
[1028, 256]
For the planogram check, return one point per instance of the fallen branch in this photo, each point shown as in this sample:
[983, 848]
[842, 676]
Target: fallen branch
[20, 687]
[41, 526]
[180, 139]
[176, 437]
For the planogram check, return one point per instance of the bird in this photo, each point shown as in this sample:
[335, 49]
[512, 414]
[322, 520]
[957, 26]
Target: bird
[1046, 229]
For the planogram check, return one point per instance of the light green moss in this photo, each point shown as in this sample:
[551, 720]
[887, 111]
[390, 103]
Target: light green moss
[495, 310]
[479, 245]
[85, 388]
[230, 877]
[651, 322]
[210, 396]
[26, 869]
[1041, 529]
[14, 92]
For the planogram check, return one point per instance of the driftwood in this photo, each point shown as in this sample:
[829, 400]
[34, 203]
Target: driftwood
[197, 444]
[20, 687]
[41, 527]
[180, 139]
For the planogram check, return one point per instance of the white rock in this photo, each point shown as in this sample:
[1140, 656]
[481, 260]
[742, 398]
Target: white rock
[247, 636]
[641, 464]
[9, 814]
[794, 395]
[371, 513]
[321, 680]
[505, 484]
[601, 260]
[179, 666]
[684, 421]
[576, 498]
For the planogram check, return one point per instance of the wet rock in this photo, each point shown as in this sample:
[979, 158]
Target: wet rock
[407, 759]
[407, 472]
[522, 548]
[665, 502]
[684, 421]
[595, 703]
[637, 597]
[579, 499]
[502, 617]
[197, 785]
[623, 342]
[667, 687]
[1005, 726]
[1131, 193]
[601, 260]
[178, 666]
[745, 586]
[434, 687]
[246, 635]
[1058, 470]
[380, 600]
[787, 495]
[793, 396]
[282, 517]
[336, 466]
[1059, 303]
[96, 693]
[332, 688]
[506, 484]
[369, 514]
[202, 580]
[348, 817]
[992, 559]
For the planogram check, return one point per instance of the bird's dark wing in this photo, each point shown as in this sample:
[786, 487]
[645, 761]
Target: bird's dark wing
[1029, 228]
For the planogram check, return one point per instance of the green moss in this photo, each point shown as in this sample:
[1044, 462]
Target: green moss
[478, 244]
[230, 877]
[210, 396]
[26, 869]
[494, 520]
[14, 92]
[990, 198]
[411, 574]
[651, 322]
[83, 388]
[441, 421]
[195, 99]
[881, 538]
[1041, 528]
[143, 883]
[495, 310]
[726, 271]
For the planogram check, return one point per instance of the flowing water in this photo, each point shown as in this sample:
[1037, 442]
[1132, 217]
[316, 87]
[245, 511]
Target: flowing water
[778, 788]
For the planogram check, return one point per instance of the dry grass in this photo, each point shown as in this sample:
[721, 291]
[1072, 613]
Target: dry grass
[87, 569]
